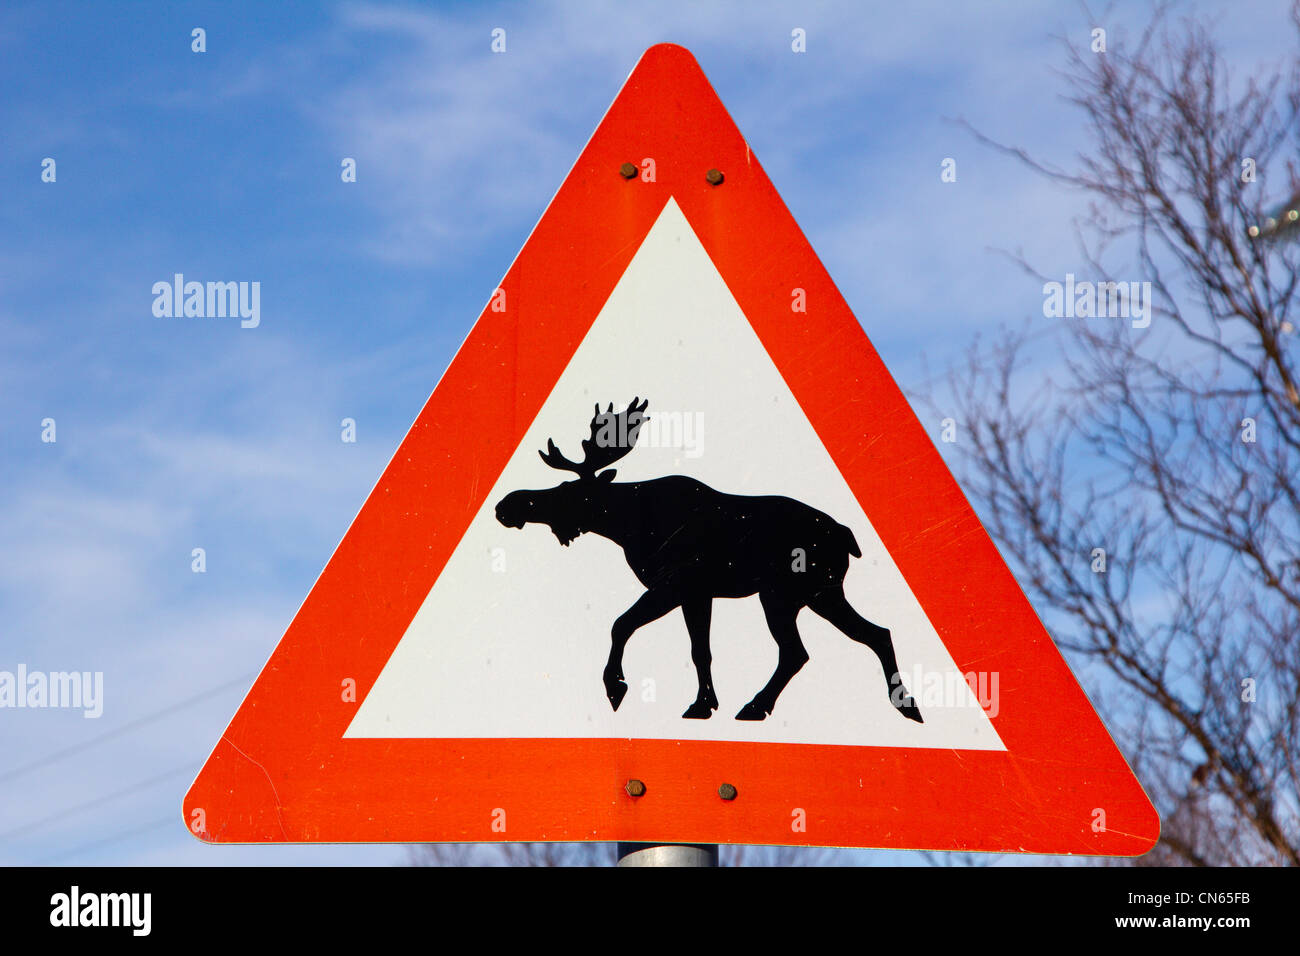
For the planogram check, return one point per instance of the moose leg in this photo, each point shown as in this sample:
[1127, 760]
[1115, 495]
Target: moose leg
[835, 607]
[648, 607]
[792, 656]
[698, 612]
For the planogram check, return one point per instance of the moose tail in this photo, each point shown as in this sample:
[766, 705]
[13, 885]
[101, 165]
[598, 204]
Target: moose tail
[850, 543]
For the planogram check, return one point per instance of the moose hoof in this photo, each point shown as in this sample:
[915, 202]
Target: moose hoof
[616, 691]
[909, 710]
[752, 711]
[700, 710]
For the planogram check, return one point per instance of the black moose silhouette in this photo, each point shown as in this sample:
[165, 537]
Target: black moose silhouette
[689, 544]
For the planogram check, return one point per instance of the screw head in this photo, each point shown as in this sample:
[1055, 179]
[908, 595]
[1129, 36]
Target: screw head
[727, 791]
[635, 788]
[714, 176]
[627, 171]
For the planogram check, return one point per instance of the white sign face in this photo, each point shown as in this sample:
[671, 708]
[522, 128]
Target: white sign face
[514, 636]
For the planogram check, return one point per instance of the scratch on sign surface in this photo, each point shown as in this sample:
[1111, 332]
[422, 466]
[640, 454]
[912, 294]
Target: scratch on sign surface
[278, 816]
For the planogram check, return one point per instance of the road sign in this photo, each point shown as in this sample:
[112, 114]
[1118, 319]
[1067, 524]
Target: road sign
[668, 557]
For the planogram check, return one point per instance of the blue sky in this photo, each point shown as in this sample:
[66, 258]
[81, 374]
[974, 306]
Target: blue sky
[182, 433]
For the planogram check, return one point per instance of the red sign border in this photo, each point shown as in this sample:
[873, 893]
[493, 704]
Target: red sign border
[282, 771]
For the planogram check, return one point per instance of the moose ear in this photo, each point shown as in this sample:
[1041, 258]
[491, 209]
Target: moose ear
[607, 475]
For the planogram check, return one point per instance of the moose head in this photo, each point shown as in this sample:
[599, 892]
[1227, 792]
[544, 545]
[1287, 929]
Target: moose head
[569, 506]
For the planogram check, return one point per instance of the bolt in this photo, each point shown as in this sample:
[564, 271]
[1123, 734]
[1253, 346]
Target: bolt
[627, 171]
[714, 176]
[727, 791]
[635, 788]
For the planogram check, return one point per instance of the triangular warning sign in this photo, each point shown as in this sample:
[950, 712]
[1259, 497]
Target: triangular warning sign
[738, 572]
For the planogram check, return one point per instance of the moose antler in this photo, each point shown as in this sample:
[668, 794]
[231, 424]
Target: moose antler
[612, 436]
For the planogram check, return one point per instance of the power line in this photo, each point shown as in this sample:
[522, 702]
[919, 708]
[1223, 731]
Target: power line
[70, 811]
[124, 729]
[157, 824]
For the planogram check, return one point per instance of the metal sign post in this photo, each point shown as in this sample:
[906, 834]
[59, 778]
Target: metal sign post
[667, 854]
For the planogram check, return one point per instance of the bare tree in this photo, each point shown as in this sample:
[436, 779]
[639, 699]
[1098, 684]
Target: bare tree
[511, 854]
[740, 854]
[1148, 498]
